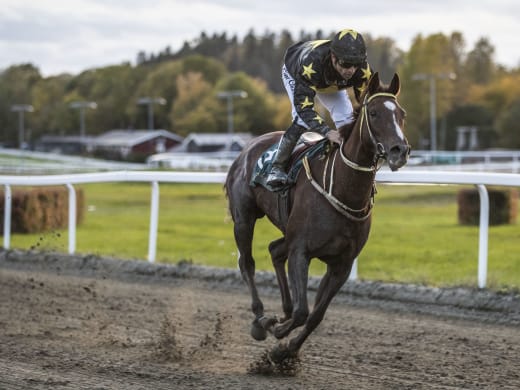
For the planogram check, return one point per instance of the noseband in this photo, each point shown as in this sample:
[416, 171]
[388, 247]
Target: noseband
[380, 149]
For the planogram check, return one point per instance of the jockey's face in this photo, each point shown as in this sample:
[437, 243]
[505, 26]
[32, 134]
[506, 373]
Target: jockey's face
[344, 69]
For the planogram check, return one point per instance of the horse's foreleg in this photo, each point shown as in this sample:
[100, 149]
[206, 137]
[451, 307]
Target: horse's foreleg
[278, 250]
[244, 238]
[298, 275]
[330, 284]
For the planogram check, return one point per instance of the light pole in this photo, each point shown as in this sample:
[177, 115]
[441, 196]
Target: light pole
[21, 109]
[148, 101]
[433, 101]
[81, 107]
[229, 95]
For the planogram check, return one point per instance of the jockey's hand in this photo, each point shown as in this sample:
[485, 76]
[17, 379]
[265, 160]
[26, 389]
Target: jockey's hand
[333, 136]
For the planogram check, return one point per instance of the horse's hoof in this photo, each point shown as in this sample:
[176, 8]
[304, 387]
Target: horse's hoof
[278, 354]
[282, 330]
[257, 331]
[268, 323]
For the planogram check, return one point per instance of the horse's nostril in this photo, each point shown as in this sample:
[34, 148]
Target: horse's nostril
[399, 149]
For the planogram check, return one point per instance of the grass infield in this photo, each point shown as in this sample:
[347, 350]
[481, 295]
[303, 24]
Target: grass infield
[415, 236]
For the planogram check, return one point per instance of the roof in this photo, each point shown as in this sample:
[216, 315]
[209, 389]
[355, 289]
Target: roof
[65, 139]
[133, 137]
[205, 139]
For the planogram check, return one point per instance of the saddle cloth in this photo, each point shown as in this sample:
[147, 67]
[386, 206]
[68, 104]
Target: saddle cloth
[310, 144]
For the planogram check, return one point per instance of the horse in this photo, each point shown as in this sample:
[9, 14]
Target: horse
[329, 222]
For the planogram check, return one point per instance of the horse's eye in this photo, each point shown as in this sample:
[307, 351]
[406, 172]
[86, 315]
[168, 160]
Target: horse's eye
[373, 113]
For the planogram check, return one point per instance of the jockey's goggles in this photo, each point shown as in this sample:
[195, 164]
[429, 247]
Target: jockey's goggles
[346, 64]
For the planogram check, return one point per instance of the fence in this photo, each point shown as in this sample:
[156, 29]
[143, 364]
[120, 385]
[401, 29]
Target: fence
[479, 179]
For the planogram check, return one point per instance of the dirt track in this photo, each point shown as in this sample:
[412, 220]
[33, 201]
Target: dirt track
[86, 325]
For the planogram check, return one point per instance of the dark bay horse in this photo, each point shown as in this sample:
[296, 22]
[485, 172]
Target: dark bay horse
[329, 217]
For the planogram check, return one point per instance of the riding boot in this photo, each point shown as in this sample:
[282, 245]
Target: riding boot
[278, 177]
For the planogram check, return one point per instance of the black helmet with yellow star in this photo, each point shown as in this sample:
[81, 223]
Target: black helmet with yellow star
[349, 47]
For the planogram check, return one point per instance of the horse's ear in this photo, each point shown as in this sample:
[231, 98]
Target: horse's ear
[395, 85]
[373, 83]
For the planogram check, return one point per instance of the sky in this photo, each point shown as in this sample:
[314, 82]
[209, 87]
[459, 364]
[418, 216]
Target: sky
[71, 36]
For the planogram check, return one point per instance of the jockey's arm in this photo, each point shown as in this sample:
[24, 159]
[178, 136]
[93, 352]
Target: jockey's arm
[304, 96]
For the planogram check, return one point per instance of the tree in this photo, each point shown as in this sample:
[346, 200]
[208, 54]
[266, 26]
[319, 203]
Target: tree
[508, 126]
[193, 107]
[428, 57]
[383, 56]
[50, 112]
[480, 67]
[255, 114]
[467, 116]
[158, 81]
[16, 83]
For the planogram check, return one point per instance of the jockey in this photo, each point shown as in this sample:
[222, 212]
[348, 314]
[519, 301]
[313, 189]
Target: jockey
[321, 69]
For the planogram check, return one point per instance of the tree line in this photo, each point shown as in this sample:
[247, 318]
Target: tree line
[482, 93]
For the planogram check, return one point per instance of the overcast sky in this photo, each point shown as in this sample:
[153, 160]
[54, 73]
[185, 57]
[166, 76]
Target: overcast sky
[74, 35]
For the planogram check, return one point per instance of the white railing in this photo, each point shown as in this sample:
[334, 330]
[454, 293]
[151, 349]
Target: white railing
[479, 179]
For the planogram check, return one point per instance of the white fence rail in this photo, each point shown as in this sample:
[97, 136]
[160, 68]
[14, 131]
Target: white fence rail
[479, 179]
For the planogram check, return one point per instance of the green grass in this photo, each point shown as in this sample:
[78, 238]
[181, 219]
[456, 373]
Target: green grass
[415, 237]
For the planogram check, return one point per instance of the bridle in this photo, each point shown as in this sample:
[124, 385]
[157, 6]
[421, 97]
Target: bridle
[380, 149]
[342, 208]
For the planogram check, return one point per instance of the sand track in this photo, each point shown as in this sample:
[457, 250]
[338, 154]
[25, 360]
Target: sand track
[83, 324]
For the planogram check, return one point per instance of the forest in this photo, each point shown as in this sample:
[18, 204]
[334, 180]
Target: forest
[482, 93]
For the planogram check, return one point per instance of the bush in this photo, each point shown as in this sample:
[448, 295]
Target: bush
[39, 209]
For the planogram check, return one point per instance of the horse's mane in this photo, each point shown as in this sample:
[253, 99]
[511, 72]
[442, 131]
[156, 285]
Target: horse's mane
[346, 130]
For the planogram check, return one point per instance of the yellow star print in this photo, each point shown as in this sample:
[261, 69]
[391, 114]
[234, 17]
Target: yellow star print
[318, 119]
[319, 42]
[308, 71]
[366, 72]
[307, 103]
[346, 31]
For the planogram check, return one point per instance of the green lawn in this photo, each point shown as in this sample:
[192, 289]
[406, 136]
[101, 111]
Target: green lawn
[415, 236]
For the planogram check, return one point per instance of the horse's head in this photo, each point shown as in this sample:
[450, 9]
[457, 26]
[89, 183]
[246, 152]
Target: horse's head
[382, 122]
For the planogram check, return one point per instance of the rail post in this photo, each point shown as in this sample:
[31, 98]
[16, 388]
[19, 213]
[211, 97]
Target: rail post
[7, 216]
[72, 219]
[154, 218]
[483, 235]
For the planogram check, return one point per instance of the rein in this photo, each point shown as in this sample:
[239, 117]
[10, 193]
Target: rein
[335, 202]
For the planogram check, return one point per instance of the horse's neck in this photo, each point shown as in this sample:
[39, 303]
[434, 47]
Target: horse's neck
[353, 147]
[354, 185]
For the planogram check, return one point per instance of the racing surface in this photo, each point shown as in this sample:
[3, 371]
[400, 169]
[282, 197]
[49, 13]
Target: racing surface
[89, 323]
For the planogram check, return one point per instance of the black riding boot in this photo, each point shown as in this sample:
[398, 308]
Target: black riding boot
[278, 177]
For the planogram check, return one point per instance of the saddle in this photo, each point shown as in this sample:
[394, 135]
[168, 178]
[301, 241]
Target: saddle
[310, 144]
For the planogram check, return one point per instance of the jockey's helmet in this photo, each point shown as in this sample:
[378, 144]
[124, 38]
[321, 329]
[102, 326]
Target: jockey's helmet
[349, 47]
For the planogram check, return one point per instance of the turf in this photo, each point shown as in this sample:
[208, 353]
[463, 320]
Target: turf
[415, 236]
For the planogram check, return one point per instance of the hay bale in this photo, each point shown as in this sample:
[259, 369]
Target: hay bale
[503, 206]
[38, 210]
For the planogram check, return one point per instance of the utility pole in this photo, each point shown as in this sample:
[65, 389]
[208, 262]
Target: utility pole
[432, 77]
[149, 101]
[81, 106]
[229, 95]
[21, 109]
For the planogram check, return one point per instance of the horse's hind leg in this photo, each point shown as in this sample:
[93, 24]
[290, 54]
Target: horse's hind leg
[278, 250]
[243, 231]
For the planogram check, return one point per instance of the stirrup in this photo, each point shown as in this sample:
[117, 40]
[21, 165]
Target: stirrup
[276, 178]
